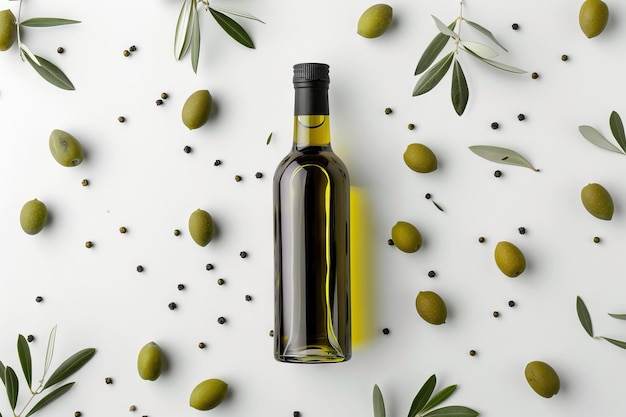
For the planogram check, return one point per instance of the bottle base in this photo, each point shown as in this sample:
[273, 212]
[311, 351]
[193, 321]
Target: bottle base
[312, 356]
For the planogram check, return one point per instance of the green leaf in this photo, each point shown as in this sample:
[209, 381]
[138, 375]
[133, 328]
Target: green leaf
[459, 90]
[50, 350]
[437, 205]
[618, 343]
[431, 78]
[445, 30]
[452, 411]
[53, 395]
[617, 128]
[69, 366]
[12, 386]
[50, 73]
[233, 28]
[237, 12]
[618, 316]
[596, 138]
[422, 396]
[2, 372]
[439, 397]
[379, 404]
[195, 40]
[500, 65]
[40, 22]
[583, 316]
[480, 49]
[269, 138]
[485, 32]
[433, 50]
[501, 155]
[182, 37]
[23, 351]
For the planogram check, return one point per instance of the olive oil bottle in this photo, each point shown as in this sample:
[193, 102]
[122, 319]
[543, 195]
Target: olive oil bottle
[312, 234]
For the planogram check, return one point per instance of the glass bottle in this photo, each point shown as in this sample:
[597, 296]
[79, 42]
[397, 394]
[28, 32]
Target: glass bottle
[312, 233]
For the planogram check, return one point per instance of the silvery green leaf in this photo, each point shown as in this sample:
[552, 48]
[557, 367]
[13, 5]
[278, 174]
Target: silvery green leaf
[23, 352]
[69, 366]
[445, 29]
[439, 397]
[379, 404]
[431, 78]
[12, 385]
[452, 411]
[53, 395]
[433, 50]
[29, 53]
[459, 91]
[501, 155]
[50, 72]
[615, 342]
[233, 28]
[583, 316]
[480, 49]
[50, 350]
[596, 138]
[2, 372]
[617, 128]
[422, 396]
[500, 65]
[40, 22]
[485, 32]
[618, 316]
[195, 40]
[183, 29]
[237, 12]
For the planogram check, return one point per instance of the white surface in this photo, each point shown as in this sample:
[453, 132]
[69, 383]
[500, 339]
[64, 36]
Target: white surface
[141, 178]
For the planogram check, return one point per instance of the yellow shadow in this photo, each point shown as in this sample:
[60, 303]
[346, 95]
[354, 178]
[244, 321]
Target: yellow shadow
[361, 268]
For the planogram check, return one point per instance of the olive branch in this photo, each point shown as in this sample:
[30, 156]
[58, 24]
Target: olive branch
[188, 28]
[434, 73]
[46, 69]
[61, 373]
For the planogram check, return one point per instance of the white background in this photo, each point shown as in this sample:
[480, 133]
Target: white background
[140, 178]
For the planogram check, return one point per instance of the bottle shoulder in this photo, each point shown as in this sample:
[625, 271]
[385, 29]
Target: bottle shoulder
[325, 159]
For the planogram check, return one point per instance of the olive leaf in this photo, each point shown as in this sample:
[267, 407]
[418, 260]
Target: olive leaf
[445, 30]
[269, 138]
[485, 32]
[379, 404]
[23, 352]
[459, 91]
[182, 38]
[234, 29]
[501, 155]
[237, 12]
[480, 49]
[50, 72]
[431, 78]
[433, 50]
[439, 397]
[618, 316]
[595, 137]
[618, 343]
[12, 386]
[2, 372]
[452, 411]
[195, 39]
[69, 366]
[40, 22]
[583, 316]
[617, 128]
[438, 206]
[422, 396]
[50, 350]
[51, 396]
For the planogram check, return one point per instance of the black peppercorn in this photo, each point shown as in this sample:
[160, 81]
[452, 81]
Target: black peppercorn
[497, 173]
[176, 232]
[390, 242]
[511, 303]
[248, 297]
[180, 287]
[85, 182]
[108, 380]
[221, 281]
[296, 414]
[481, 239]
[164, 96]
[221, 320]
[521, 230]
[126, 52]
[514, 26]
[427, 196]
[496, 314]
[259, 175]
[271, 333]
[431, 274]
[132, 48]
[30, 338]
[121, 119]
[388, 110]
[472, 352]
[209, 267]
[521, 117]
[243, 254]
[77, 414]
[139, 268]
[238, 178]
[60, 50]
[123, 229]
[564, 57]
[495, 125]
[39, 299]
[201, 345]
[596, 239]
[534, 75]
[159, 102]
[187, 149]
[217, 162]
[89, 244]
[411, 126]
[385, 330]
[172, 306]
[132, 408]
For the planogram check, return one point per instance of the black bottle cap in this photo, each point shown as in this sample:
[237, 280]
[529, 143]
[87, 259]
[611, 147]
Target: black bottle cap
[310, 72]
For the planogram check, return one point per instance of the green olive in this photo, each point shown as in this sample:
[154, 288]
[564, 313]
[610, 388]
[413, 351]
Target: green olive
[593, 17]
[420, 158]
[33, 216]
[201, 227]
[597, 200]
[509, 259]
[542, 378]
[150, 361]
[406, 237]
[375, 20]
[65, 149]
[197, 109]
[8, 29]
[431, 307]
[208, 394]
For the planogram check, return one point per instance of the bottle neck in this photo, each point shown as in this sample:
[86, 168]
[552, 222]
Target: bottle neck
[311, 122]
